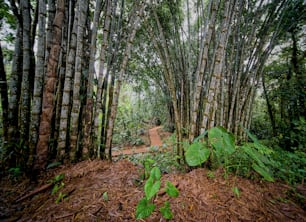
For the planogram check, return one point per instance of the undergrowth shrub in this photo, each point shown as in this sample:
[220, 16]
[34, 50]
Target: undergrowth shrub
[221, 150]
[290, 166]
[165, 161]
[146, 205]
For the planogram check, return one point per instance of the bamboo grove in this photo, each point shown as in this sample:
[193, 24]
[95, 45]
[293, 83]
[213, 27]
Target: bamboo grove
[71, 57]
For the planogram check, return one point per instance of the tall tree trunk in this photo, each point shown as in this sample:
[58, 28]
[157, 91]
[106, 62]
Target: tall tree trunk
[87, 122]
[38, 83]
[101, 77]
[14, 92]
[76, 103]
[269, 106]
[4, 99]
[66, 100]
[211, 100]
[203, 58]
[49, 89]
[25, 86]
[51, 9]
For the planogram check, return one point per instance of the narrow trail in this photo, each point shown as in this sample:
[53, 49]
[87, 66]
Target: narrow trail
[155, 140]
[154, 137]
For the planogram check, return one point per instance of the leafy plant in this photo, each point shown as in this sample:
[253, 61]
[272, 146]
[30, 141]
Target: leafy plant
[15, 172]
[145, 206]
[236, 191]
[105, 196]
[58, 185]
[167, 162]
[224, 152]
[197, 154]
[211, 175]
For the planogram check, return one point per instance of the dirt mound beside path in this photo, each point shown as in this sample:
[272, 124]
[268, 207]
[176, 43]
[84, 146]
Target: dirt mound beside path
[203, 197]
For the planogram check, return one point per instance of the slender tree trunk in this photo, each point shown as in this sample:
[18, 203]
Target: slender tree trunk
[87, 122]
[4, 99]
[49, 89]
[269, 106]
[76, 103]
[98, 108]
[14, 91]
[51, 9]
[25, 86]
[66, 100]
[38, 83]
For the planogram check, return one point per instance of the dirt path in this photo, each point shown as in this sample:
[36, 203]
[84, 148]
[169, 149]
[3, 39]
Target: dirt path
[154, 136]
[155, 140]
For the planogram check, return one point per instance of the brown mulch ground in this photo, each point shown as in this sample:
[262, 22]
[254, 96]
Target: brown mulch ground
[201, 198]
[204, 196]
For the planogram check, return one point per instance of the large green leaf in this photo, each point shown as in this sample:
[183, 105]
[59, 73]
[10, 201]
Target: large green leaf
[263, 172]
[166, 211]
[151, 188]
[196, 154]
[144, 209]
[171, 190]
[221, 140]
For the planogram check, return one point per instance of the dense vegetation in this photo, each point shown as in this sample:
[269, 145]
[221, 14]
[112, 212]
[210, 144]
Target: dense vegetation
[226, 77]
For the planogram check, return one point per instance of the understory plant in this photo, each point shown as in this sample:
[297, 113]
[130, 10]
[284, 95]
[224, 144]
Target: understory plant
[146, 206]
[221, 150]
[58, 185]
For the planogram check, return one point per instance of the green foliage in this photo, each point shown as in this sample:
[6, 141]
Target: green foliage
[15, 154]
[105, 196]
[167, 162]
[236, 191]
[58, 185]
[290, 166]
[131, 120]
[166, 211]
[15, 172]
[53, 165]
[225, 153]
[171, 190]
[58, 178]
[145, 206]
[148, 163]
[197, 154]
[211, 175]
[61, 196]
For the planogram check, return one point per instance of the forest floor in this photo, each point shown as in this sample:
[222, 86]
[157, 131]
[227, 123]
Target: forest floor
[104, 191]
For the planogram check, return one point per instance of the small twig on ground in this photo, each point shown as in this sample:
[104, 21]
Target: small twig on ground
[64, 216]
[34, 192]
